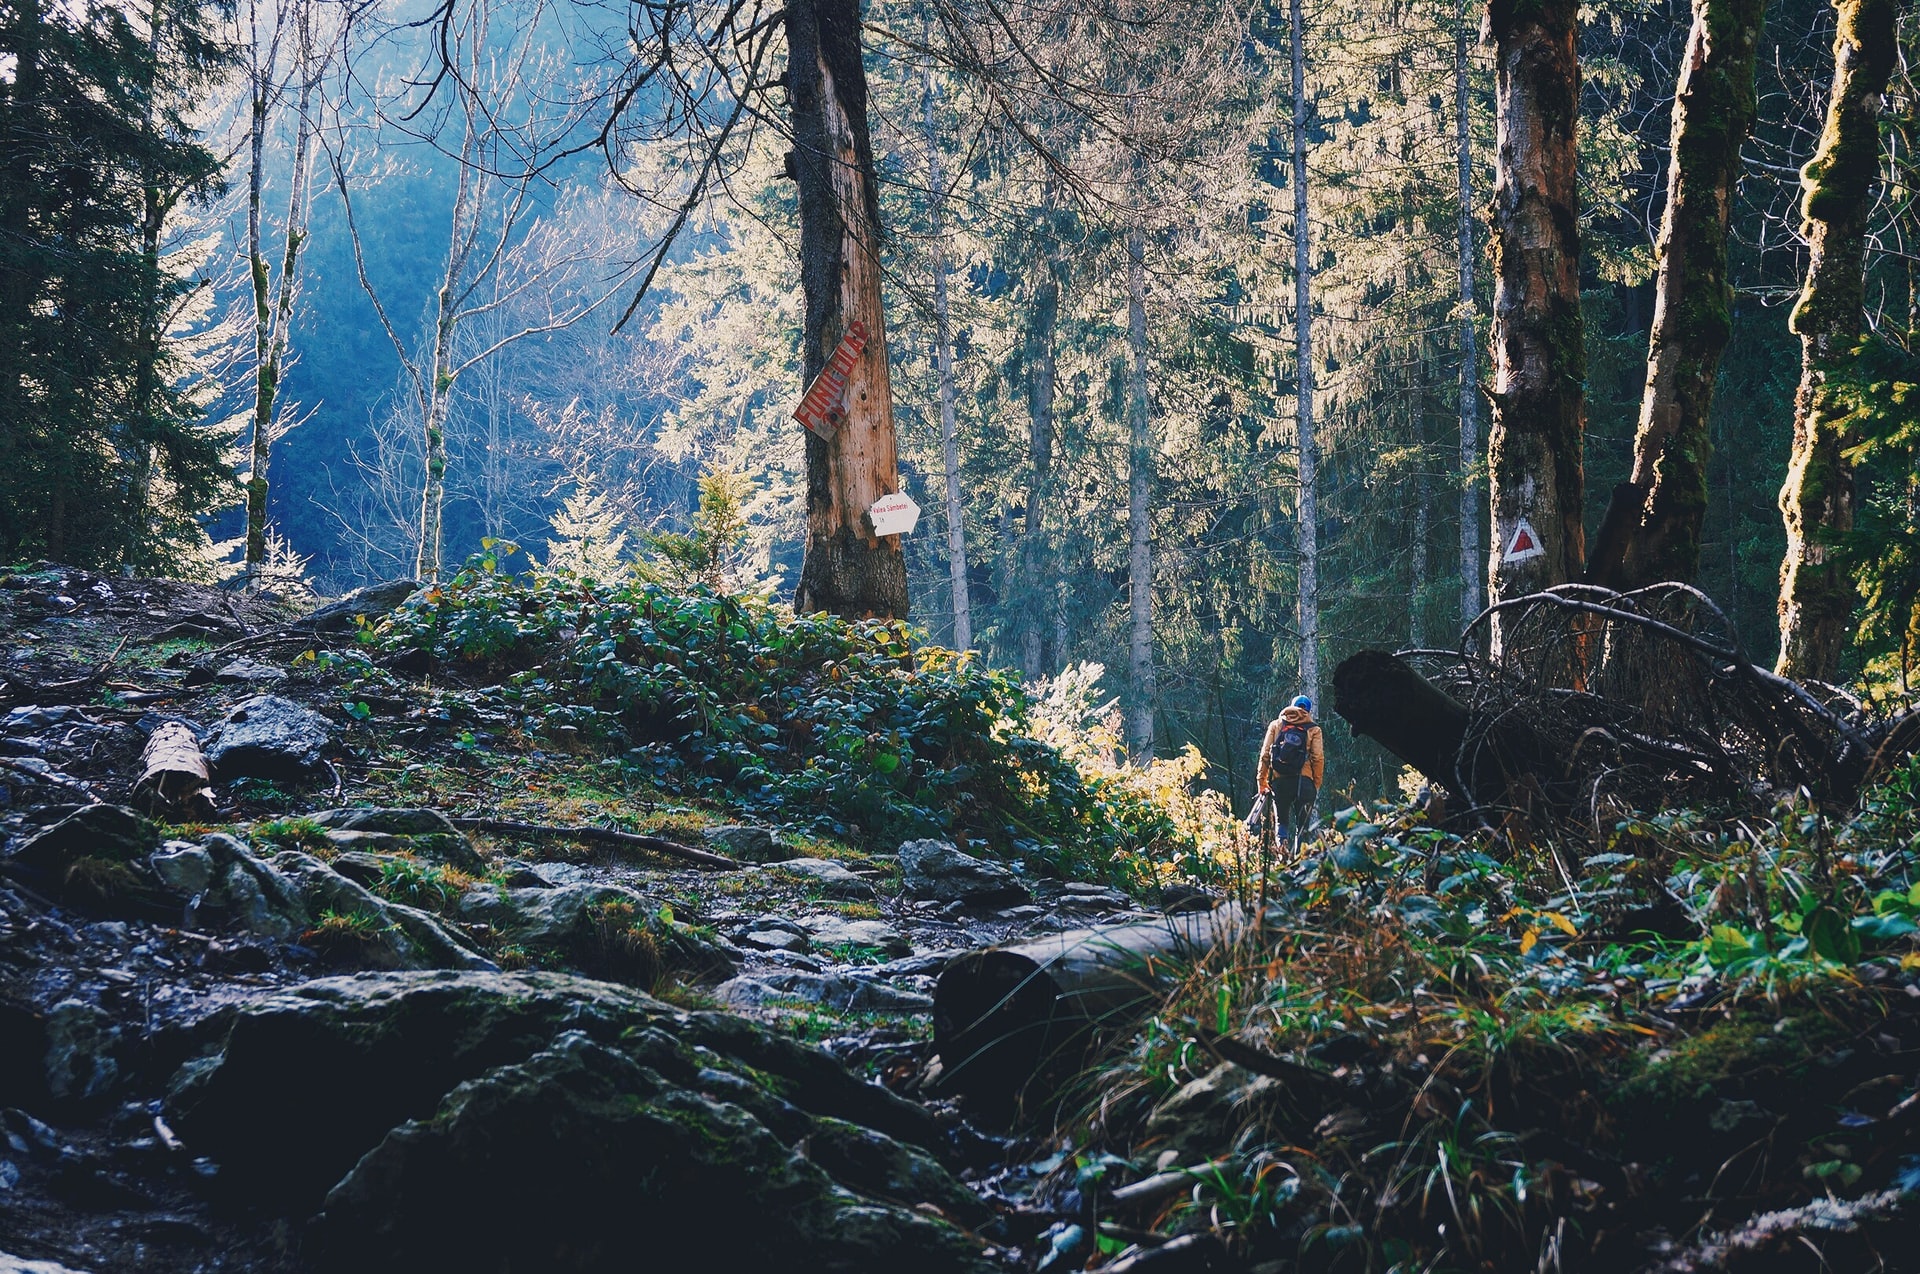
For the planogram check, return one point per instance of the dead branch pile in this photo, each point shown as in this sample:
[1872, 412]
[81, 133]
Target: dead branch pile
[1593, 700]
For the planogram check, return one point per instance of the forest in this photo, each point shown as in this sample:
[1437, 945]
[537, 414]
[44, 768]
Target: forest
[386, 285]
[1140, 635]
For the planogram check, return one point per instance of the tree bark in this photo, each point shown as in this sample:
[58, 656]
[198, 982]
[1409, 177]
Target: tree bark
[1654, 532]
[154, 207]
[846, 569]
[1139, 501]
[943, 354]
[1308, 447]
[272, 319]
[1043, 313]
[1471, 569]
[1539, 360]
[1422, 510]
[1817, 502]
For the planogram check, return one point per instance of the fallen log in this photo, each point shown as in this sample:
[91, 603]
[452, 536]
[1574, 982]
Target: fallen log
[339, 616]
[174, 777]
[1596, 700]
[603, 836]
[1014, 1018]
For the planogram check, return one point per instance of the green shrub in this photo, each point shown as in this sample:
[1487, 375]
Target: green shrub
[853, 727]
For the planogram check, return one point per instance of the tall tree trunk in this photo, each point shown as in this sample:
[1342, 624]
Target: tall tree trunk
[1308, 462]
[1816, 597]
[154, 206]
[943, 354]
[1043, 312]
[1139, 502]
[1472, 569]
[1535, 476]
[271, 320]
[1652, 528]
[1422, 510]
[435, 390]
[846, 569]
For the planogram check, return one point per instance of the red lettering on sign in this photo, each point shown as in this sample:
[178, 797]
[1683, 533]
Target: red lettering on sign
[820, 409]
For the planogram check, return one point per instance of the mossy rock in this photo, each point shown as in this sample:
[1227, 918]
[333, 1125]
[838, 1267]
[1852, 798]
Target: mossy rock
[606, 1117]
[599, 1151]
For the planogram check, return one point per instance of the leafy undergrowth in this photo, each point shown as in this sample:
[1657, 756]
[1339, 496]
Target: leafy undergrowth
[1456, 1054]
[848, 730]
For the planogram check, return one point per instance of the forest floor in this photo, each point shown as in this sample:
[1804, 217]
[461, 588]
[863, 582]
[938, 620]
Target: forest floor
[230, 1038]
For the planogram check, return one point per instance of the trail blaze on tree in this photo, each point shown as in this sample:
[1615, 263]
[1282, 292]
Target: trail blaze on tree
[846, 569]
[1652, 529]
[1539, 351]
[1816, 597]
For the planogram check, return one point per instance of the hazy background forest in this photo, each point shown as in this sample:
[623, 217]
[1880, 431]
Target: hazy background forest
[470, 235]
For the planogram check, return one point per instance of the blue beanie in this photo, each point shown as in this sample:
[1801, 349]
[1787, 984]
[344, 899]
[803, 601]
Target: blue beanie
[1301, 701]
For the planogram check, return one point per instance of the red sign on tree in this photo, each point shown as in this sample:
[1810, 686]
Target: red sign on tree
[821, 409]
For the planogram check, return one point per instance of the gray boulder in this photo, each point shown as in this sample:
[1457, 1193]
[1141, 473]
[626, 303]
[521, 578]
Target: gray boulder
[111, 833]
[830, 990]
[596, 1144]
[250, 672]
[370, 603]
[81, 1038]
[267, 737]
[602, 930]
[601, 1112]
[424, 833]
[824, 931]
[185, 869]
[934, 869]
[748, 844]
[388, 934]
[830, 878]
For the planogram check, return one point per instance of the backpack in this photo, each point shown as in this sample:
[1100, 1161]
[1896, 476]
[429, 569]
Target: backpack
[1290, 751]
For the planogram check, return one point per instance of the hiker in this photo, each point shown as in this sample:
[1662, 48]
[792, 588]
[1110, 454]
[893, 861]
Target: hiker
[1293, 761]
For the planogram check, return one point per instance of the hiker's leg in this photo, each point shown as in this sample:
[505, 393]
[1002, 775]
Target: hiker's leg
[1306, 793]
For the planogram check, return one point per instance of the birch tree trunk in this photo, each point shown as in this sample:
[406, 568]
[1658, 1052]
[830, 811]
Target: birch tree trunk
[435, 390]
[846, 569]
[1308, 462]
[1139, 500]
[1816, 597]
[1471, 562]
[1652, 529]
[943, 354]
[1535, 476]
[273, 318]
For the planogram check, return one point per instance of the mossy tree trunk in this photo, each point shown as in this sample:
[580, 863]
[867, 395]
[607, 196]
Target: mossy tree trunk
[1471, 567]
[1535, 473]
[1817, 502]
[846, 569]
[1652, 530]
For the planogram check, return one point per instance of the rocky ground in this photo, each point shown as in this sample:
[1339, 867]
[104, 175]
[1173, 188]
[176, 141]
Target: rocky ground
[303, 1016]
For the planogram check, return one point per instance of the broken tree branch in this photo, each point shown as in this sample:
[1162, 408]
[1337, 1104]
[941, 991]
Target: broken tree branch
[600, 835]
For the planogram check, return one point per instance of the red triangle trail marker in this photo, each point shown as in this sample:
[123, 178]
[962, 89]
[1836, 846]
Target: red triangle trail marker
[1524, 543]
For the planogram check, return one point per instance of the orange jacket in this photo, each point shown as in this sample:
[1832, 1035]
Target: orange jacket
[1316, 766]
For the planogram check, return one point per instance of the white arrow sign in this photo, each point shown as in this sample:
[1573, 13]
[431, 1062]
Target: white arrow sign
[894, 515]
